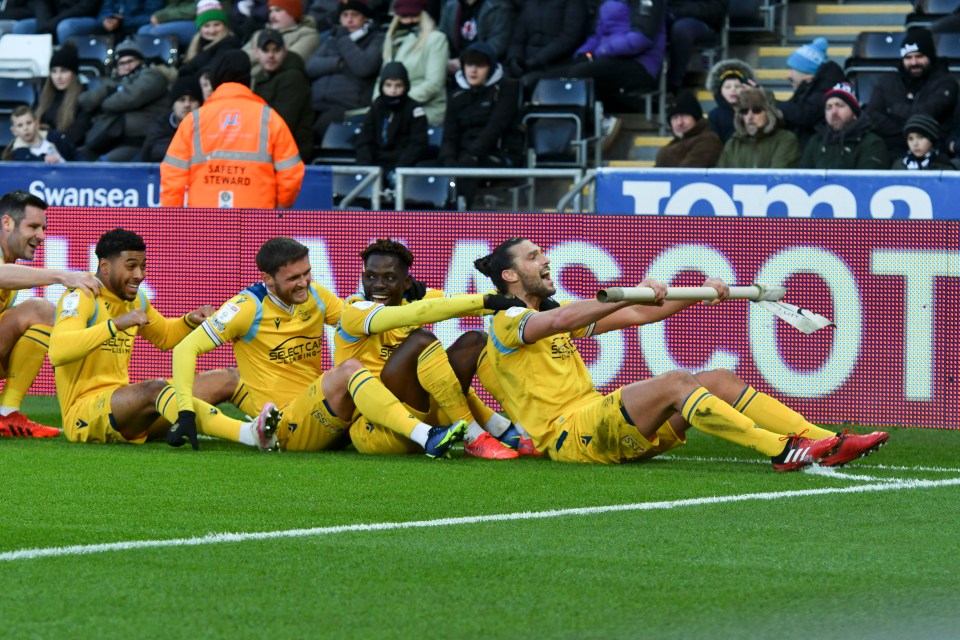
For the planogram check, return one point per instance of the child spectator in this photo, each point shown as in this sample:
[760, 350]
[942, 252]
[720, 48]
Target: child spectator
[465, 22]
[923, 135]
[725, 80]
[394, 132]
[186, 96]
[59, 108]
[31, 144]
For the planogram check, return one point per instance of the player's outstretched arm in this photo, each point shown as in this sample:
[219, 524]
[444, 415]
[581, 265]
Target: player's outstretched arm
[430, 310]
[639, 314]
[18, 276]
[185, 356]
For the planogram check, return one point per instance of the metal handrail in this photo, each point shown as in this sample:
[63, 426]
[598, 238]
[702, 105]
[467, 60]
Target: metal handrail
[374, 175]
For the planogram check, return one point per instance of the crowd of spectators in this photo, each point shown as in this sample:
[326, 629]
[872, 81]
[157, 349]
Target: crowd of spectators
[318, 62]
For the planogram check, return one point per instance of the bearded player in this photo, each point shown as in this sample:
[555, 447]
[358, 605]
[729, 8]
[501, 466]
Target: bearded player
[92, 341]
[546, 387]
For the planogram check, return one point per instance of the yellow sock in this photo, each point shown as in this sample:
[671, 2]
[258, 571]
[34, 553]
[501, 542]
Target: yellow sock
[242, 400]
[773, 415]
[378, 405]
[437, 377]
[481, 412]
[210, 420]
[26, 358]
[708, 413]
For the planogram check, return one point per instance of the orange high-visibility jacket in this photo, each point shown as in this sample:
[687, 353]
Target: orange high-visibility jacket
[232, 152]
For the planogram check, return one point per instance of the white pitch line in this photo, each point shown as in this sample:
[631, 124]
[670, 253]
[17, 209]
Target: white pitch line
[871, 466]
[217, 538]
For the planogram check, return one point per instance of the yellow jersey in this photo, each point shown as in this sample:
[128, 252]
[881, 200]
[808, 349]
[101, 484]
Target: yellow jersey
[7, 296]
[278, 347]
[541, 381]
[89, 354]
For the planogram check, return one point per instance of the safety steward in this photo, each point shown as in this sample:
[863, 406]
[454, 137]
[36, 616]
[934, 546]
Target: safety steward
[234, 151]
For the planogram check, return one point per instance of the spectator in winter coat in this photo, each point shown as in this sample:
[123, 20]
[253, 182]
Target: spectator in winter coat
[921, 86]
[691, 24]
[47, 17]
[465, 22]
[211, 40]
[544, 39]
[299, 31]
[186, 97]
[132, 99]
[121, 18]
[694, 143]
[923, 136]
[760, 141]
[247, 17]
[481, 122]
[31, 144]
[344, 68]
[174, 19]
[283, 84]
[725, 81]
[413, 39]
[58, 108]
[625, 53]
[811, 75]
[846, 139]
[394, 132]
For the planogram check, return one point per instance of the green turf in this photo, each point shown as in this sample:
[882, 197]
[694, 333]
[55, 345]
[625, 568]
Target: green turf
[850, 565]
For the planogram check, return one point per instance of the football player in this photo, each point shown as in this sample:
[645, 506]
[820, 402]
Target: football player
[25, 328]
[546, 386]
[91, 344]
[276, 329]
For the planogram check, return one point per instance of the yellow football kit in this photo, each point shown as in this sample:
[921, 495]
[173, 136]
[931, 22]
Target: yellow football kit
[370, 332]
[278, 348]
[547, 388]
[91, 358]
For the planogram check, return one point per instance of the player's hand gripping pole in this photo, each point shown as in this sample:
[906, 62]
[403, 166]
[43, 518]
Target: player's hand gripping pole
[753, 292]
[765, 296]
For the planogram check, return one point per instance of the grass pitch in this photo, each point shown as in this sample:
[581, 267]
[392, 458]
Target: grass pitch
[706, 543]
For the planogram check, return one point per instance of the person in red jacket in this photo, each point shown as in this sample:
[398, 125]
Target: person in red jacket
[247, 157]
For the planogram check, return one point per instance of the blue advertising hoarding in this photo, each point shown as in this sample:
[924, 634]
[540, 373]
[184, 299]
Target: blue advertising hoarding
[871, 195]
[133, 185]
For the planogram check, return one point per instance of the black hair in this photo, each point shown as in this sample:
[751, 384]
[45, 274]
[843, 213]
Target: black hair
[116, 241]
[386, 246]
[497, 262]
[15, 203]
[277, 252]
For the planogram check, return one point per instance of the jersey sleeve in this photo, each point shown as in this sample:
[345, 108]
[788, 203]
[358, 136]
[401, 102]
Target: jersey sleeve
[71, 338]
[353, 320]
[164, 333]
[233, 320]
[331, 305]
[506, 328]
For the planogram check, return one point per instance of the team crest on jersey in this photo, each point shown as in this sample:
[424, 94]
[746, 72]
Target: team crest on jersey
[363, 305]
[227, 312]
[513, 312]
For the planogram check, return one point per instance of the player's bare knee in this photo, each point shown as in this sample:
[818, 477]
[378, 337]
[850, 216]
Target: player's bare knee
[34, 311]
[349, 367]
[419, 339]
[471, 340]
[683, 381]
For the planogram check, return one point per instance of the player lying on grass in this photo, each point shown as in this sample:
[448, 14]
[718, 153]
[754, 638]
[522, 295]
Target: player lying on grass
[93, 338]
[25, 328]
[382, 329]
[534, 368]
[276, 328]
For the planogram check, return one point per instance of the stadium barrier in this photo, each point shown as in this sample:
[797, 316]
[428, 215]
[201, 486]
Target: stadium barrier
[890, 285]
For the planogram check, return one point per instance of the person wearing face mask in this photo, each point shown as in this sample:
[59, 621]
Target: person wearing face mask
[344, 68]
[394, 132]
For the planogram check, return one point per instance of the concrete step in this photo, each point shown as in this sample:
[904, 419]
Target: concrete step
[834, 33]
[893, 14]
[628, 164]
[645, 147]
[776, 57]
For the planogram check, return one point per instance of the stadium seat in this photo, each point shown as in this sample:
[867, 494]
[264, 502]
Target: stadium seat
[864, 81]
[875, 53]
[25, 56]
[6, 26]
[557, 119]
[948, 47]
[429, 192]
[95, 53]
[339, 144]
[6, 137]
[162, 49]
[434, 140]
[344, 183]
[764, 16]
[15, 92]
[927, 12]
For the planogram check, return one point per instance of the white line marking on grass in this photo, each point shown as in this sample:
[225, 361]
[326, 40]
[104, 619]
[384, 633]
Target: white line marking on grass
[217, 538]
[871, 466]
[833, 472]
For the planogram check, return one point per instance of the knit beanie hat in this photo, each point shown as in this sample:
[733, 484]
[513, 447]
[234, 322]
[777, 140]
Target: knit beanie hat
[209, 10]
[66, 57]
[359, 6]
[925, 125]
[918, 40]
[293, 7]
[187, 85]
[395, 71]
[844, 91]
[128, 48]
[686, 103]
[809, 57]
[409, 7]
[233, 66]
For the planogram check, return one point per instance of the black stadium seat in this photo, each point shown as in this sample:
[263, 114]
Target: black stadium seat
[15, 92]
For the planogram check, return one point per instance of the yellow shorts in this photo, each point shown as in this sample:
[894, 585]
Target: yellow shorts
[376, 439]
[600, 432]
[309, 424]
[90, 420]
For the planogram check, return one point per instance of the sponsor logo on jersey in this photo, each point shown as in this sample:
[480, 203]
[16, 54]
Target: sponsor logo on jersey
[363, 305]
[297, 348]
[513, 312]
